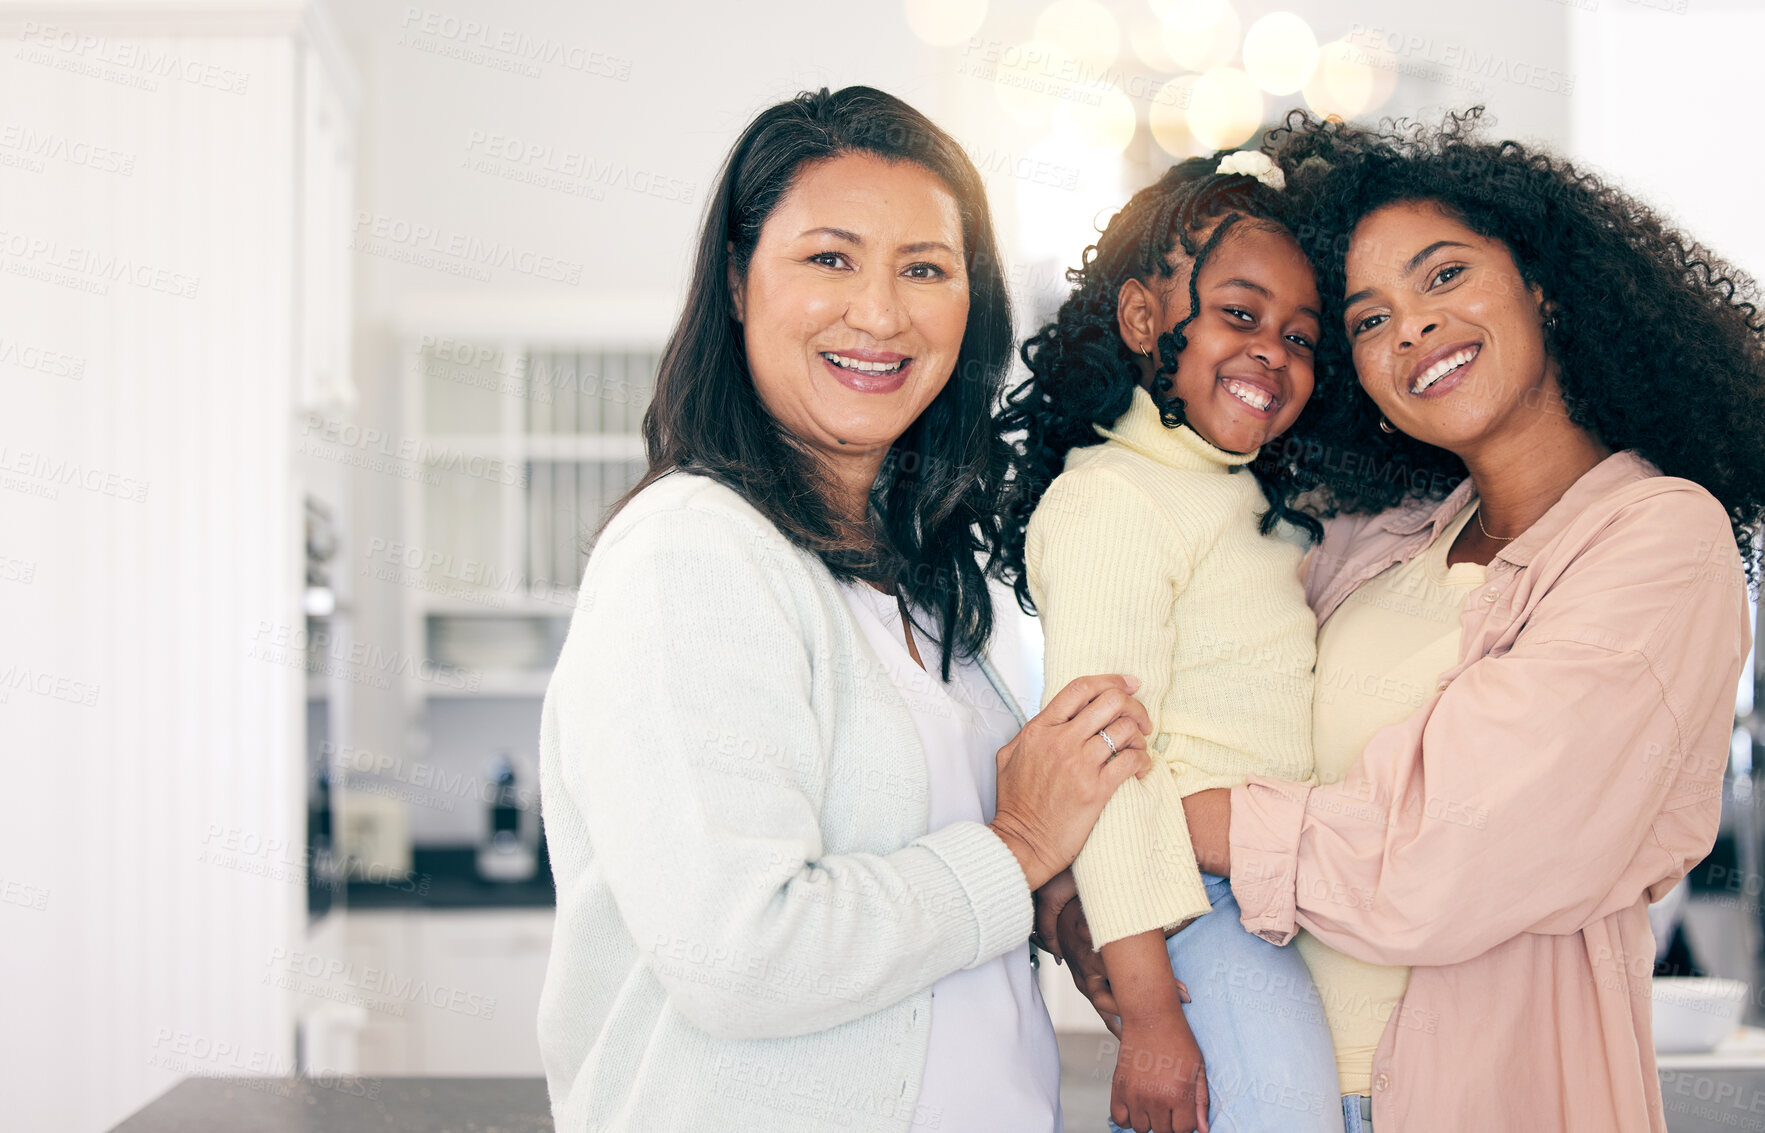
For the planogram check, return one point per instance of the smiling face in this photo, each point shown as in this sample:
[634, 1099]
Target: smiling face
[1447, 337]
[854, 305]
[1246, 371]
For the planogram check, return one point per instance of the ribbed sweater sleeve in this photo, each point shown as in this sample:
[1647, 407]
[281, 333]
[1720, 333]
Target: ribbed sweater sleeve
[686, 709]
[1104, 570]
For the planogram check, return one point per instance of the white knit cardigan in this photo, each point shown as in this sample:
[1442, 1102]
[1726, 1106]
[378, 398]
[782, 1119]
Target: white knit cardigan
[751, 913]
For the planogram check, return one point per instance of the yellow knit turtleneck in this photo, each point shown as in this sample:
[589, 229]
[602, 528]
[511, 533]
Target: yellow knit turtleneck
[1144, 558]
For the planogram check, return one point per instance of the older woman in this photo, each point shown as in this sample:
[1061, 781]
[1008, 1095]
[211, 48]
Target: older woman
[1532, 614]
[795, 815]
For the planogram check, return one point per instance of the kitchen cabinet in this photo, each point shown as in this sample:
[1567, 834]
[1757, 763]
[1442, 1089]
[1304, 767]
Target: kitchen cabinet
[431, 992]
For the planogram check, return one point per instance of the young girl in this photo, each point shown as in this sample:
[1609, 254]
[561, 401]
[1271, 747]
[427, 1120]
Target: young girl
[1153, 535]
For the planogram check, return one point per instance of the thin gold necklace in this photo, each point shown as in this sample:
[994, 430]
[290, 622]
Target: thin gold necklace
[1497, 538]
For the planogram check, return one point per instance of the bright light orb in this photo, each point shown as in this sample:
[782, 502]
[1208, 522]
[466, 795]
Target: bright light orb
[1343, 84]
[1280, 52]
[1199, 34]
[1168, 117]
[1225, 108]
[1083, 27]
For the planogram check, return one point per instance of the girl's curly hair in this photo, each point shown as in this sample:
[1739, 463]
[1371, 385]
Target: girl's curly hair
[1081, 372]
[1639, 308]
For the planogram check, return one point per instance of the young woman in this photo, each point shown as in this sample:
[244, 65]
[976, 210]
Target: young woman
[1155, 398]
[1548, 464]
[795, 817]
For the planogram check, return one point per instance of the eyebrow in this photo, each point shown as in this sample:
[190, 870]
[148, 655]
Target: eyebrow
[854, 238]
[1247, 285]
[1414, 262]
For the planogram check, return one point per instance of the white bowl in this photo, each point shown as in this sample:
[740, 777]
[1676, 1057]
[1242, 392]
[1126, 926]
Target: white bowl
[1693, 1015]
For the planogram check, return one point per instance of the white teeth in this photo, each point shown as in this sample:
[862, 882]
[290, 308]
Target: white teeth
[1249, 394]
[1443, 367]
[846, 363]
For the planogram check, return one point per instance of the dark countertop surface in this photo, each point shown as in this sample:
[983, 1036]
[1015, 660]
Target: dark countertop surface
[343, 1105]
[446, 877]
[1702, 1101]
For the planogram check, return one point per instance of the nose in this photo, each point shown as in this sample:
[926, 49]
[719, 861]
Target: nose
[875, 307]
[1413, 326]
[1271, 350]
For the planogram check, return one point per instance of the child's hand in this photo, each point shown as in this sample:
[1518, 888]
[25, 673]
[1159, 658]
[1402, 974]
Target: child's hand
[1049, 901]
[1160, 1083]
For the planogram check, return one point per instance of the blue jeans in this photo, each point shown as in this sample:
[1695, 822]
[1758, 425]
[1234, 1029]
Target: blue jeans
[1351, 1115]
[1271, 1067]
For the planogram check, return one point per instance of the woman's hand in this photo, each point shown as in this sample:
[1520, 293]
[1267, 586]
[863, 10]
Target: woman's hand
[1058, 772]
[1085, 963]
[1209, 815]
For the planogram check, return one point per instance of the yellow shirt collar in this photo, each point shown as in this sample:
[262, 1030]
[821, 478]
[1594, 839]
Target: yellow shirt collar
[1141, 430]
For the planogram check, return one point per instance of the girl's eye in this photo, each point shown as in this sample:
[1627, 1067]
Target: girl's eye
[1301, 340]
[925, 271]
[1367, 323]
[1447, 274]
[1240, 313]
[828, 259]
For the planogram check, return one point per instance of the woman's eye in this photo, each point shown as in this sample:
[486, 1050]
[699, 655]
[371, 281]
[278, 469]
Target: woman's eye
[1366, 324]
[1447, 274]
[828, 259]
[925, 271]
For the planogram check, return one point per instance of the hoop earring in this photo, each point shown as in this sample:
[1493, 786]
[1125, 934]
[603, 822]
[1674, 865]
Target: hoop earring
[1146, 354]
[1386, 426]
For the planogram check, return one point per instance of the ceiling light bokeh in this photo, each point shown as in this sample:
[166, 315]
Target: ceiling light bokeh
[1199, 34]
[1225, 108]
[1280, 53]
[1083, 27]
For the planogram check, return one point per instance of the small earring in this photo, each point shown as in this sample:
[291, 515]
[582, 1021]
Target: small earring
[1145, 353]
[1386, 426]
[1551, 322]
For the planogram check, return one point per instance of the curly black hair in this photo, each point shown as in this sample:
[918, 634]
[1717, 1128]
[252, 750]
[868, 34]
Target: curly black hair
[1637, 306]
[1081, 372]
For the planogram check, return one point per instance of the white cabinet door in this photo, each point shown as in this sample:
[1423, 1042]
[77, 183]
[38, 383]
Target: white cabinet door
[477, 1014]
[381, 951]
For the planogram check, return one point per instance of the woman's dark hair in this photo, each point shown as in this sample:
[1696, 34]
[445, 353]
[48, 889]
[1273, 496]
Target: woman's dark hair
[1640, 309]
[1081, 372]
[932, 505]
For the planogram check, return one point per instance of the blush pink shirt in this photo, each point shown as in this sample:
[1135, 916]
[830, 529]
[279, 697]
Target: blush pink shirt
[1506, 839]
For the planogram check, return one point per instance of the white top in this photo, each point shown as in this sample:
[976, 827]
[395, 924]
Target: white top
[992, 1063]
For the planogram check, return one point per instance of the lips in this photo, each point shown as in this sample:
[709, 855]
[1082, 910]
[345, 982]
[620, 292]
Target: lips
[868, 371]
[1443, 369]
[1257, 395]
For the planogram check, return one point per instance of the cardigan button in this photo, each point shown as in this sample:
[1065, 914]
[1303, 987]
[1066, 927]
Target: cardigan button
[1382, 1082]
[1442, 685]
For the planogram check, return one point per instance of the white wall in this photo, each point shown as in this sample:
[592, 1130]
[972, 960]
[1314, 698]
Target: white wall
[150, 831]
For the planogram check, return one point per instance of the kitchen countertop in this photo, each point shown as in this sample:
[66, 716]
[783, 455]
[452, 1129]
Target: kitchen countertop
[1697, 1101]
[447, 878]
[342, 1105]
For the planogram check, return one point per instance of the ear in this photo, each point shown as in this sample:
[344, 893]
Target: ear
[736, 297]
[1136, 317]
[1546, 308]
